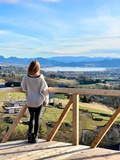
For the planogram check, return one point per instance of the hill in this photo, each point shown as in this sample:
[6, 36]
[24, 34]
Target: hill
[97, 106]
[67, 61]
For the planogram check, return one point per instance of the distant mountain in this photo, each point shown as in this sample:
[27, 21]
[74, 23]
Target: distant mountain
[108, 63]
[83, 61]
[102, 63]
[25, 61]
[67, 61]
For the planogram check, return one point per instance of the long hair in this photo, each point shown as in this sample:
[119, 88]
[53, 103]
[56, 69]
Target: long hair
[33, 68]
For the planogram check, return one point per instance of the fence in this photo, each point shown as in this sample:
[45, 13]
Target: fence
[74, 100]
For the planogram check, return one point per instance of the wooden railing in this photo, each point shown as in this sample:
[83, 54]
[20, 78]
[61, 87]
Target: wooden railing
[74, 101]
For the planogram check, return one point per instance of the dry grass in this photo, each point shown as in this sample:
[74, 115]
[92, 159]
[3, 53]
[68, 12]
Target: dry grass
[2, 81]
[97, 106]
[92, 105]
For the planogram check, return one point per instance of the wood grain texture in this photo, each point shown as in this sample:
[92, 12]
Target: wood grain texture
[52, 150]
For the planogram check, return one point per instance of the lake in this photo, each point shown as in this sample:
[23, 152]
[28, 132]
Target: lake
[55, 69]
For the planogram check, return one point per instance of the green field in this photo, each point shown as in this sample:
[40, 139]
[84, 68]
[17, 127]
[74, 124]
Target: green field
[12, 96]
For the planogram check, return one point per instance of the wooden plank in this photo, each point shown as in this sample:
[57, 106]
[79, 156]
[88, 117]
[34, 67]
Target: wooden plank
[19, 150]
[46, 152]
[85, 91]
[31, 151]
[71, 90]
[75, 119]
[15, 123]
[11, 89]
[106, 128]
[60, 120]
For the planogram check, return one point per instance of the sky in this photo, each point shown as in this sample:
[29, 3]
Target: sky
[48, 28]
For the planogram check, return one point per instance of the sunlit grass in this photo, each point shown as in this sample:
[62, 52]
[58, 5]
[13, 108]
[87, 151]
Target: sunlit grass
[12, 96]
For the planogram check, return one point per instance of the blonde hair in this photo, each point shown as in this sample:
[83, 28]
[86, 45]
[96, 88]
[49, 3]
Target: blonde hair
[34, 67]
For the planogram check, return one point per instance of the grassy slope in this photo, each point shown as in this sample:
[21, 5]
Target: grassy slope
[52, 114]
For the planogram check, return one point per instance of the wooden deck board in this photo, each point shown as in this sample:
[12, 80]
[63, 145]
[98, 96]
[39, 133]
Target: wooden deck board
[43, 150]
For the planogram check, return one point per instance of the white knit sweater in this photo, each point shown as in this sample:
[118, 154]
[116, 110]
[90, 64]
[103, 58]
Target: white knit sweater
[36, 90]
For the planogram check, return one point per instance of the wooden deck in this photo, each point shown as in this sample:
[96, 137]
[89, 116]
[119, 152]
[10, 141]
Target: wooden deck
[43, 150]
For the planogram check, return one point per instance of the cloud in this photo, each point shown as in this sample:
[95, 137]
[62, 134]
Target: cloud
[94, 46]
[9, 1]
[4, 32]
[50, 30]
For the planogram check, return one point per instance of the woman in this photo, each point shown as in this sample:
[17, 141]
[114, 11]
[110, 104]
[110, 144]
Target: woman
[36, 89]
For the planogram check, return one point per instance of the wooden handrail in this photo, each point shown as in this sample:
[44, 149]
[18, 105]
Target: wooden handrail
[70, 90]
[75, 100]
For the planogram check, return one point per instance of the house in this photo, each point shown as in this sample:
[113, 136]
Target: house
[13, 109]
[9, 110]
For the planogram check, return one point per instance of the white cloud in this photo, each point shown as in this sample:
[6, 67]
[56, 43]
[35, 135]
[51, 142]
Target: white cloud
[9, 1]
[4, 32]
[47, 30]
[92, 46]
[113, 26]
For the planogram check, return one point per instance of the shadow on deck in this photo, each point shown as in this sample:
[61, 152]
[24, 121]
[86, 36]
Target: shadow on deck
[52, 150]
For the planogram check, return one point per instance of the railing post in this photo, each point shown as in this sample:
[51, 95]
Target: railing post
[75, 119]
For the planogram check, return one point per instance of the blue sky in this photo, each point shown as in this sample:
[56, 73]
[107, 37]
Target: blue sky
[47, 28]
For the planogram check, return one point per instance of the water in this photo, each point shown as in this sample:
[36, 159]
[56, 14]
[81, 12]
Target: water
[55, 69]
